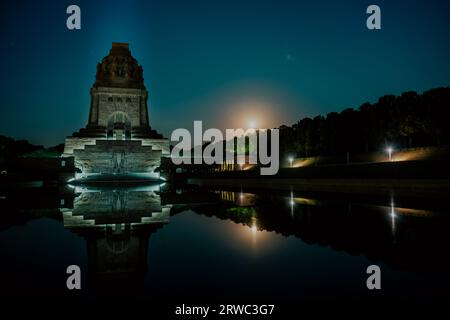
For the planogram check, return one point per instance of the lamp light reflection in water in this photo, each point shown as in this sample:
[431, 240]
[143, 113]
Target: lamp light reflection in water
[292, 203]
[254, 232]
[393, 216]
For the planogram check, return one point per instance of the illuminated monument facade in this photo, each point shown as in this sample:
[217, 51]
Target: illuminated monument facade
[118, 141]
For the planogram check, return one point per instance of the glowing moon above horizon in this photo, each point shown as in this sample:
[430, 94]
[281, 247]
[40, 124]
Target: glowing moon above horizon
[252, 124]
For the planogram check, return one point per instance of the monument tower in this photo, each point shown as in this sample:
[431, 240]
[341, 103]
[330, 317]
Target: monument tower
[117, 141]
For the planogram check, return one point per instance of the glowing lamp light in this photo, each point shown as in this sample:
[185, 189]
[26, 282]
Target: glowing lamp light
[291, 160]
[389, 150]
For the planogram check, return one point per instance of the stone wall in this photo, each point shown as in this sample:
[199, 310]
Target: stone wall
[106, 101]
[158, 144]
[117, 157]
[73, 143]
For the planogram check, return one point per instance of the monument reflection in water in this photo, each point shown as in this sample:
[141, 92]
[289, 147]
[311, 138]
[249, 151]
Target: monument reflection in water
[117, 224]
[288, 245]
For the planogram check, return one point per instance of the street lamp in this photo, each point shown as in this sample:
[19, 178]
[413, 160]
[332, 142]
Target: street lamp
[290, 161]
[389, 151]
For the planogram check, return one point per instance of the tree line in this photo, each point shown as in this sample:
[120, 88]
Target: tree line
[405, 121]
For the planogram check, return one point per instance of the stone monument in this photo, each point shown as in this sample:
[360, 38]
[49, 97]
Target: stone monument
[118, 142]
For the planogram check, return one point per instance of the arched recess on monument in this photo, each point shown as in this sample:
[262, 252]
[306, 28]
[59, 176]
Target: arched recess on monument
[119, 126]
[118, 243]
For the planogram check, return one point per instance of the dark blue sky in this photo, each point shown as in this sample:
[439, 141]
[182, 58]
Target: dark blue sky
[223, 62]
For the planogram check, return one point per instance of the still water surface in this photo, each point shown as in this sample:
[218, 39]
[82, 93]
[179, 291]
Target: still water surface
[179, 245]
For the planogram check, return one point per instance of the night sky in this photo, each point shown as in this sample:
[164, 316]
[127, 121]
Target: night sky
[224, 62]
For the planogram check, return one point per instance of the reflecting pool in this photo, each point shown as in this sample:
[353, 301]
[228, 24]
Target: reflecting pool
[158, 243]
